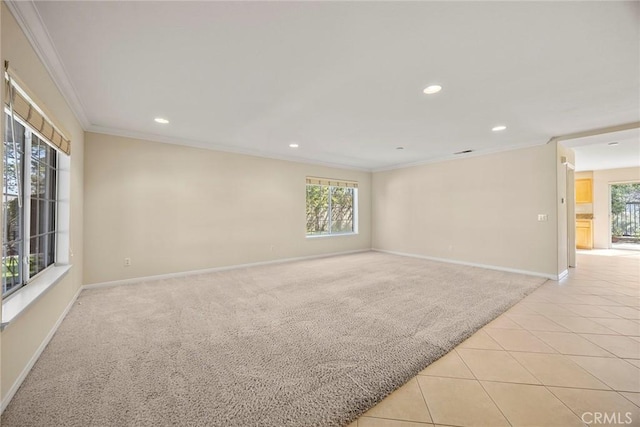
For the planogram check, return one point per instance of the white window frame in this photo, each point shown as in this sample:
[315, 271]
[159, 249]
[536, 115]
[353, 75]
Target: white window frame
[15, 303]
[329, 233]
[26, 203]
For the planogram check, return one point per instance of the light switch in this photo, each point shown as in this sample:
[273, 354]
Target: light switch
[542, 217]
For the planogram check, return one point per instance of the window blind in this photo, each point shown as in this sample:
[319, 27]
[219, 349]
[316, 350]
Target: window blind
[28, 111]
[312, 180]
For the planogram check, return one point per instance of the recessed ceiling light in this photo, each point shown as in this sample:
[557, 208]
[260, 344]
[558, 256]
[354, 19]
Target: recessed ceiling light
[498, 128]
[430, 90]
[161, 120]
[293, 145]
[613, 143]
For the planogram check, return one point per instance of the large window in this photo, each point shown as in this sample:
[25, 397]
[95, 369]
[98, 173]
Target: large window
[29, 201]
[331, 207]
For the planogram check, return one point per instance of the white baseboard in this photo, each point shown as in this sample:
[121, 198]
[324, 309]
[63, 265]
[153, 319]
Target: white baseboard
[563, 275]
[214, 269]
[472, 264]
[18, 382]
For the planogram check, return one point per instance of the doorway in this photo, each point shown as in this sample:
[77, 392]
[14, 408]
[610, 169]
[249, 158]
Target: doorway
[625, 215]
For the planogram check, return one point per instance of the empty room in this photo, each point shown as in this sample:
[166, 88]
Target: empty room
[319, 213]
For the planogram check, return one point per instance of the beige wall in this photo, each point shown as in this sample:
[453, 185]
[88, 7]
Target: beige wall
[601, 181]
[172, 208]
[479, 210]
[21, 339]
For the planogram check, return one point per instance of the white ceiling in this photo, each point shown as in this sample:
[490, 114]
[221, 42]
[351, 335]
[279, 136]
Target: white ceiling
[344, 80]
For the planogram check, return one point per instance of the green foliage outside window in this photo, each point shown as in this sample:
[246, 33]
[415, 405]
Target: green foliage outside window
[330, 210]
[625, 201]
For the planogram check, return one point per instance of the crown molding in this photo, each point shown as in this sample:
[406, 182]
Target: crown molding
[257, 153]
[30, 21]
[218, 147]
[450, 157]
[569, 139]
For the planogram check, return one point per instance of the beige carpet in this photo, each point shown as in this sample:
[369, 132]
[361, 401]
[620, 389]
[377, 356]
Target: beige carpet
[309, 343]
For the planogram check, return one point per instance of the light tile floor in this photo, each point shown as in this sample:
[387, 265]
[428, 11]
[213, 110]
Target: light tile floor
[571, 347]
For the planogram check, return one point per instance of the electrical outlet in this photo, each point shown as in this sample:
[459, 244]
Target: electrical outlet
[127, 262]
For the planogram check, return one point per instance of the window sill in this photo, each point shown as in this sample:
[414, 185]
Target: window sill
[18, 302]
[321, 236]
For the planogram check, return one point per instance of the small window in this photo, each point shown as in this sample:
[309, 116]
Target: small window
[331, 207]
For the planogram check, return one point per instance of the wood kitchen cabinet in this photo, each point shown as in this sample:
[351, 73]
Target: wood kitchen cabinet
[584, 190]
[584, 234]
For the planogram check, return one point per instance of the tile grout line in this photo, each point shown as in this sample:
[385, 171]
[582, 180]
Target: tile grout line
[629, 337]
[540, 384]
[424, 399]
[538, 379]
[582, 317]
[567, 354]
[483, 388]
[397, 419]
[565, 405]
[487, 349]
[547, 387]
[614, 356]
[632, 402]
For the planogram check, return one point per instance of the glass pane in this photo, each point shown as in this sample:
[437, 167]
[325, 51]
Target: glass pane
[51, 213]
[317, 209]
[50, 255]
[625, 216]
[37, 151]
[34, 220]
[37, 249]
[46, 216]
[7, 166]
[12, 224]
[341, 210]
[12, 213]
[42, 151]
[38, 179]
[51, 156]
[11, 274]
[51, 187]
[11, 169]
[19, 129]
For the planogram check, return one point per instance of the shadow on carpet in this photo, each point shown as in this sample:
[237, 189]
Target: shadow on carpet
[308, 343]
